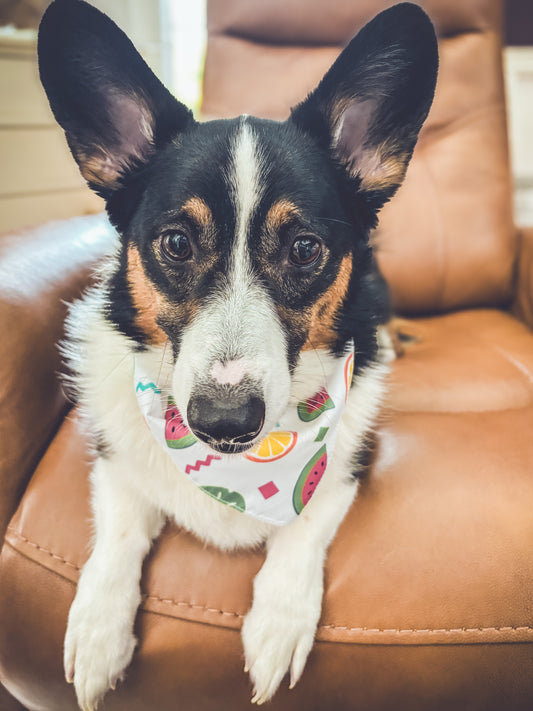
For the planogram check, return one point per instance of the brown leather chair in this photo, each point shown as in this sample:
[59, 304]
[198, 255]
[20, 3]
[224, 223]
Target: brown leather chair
[429, 601]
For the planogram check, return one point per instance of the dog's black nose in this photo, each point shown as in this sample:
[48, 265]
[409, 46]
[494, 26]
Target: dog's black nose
[226, 421]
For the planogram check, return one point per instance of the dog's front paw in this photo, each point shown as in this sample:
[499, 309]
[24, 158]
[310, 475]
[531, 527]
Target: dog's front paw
[99, 645]
[278, 633]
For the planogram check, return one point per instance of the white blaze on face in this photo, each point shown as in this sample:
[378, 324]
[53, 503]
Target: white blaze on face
[246, 186]
[230, 373]
[237, 333]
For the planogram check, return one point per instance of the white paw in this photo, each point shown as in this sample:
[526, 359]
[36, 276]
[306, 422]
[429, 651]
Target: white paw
[99, 645]
[278, 633]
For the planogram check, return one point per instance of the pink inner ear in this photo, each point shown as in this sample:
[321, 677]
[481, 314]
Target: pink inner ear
[131, 142]
[352, 132]
[133, 126]
[380, 165]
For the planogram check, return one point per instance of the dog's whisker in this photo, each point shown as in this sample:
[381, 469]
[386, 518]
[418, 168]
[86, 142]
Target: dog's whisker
[317, 353]
[161, 365]
[332, 219]
[114, 368]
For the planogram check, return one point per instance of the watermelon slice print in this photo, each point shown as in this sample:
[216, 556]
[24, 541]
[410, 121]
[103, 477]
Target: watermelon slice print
[225, 496]
[177, 434]
[313, 407]
[308, 480]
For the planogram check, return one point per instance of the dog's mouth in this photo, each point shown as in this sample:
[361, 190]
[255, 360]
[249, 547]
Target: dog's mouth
[230, 447]
[235, 445]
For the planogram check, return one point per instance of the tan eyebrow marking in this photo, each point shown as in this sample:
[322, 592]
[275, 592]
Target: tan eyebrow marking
[280, 214]
[200, 212]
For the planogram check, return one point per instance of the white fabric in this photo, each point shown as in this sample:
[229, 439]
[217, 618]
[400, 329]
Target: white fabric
[274, 489]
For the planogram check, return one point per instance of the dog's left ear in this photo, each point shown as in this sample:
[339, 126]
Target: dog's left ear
[371, 104]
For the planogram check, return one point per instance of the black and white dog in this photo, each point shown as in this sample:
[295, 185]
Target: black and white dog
[244, 273]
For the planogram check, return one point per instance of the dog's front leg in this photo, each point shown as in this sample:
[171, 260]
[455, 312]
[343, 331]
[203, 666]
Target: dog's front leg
[279, 630]
[99, 642]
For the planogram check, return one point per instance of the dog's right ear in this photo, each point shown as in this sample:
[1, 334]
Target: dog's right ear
[113, 109]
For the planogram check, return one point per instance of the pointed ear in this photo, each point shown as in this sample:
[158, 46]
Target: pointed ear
[371, 104]
[113, 109]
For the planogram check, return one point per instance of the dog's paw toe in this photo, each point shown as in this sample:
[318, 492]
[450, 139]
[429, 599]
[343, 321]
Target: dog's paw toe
[97, 669]
[299, 658]
[96, 654]
[275, 644]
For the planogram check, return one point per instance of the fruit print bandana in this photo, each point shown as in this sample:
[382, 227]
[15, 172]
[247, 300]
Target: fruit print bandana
[274, 480]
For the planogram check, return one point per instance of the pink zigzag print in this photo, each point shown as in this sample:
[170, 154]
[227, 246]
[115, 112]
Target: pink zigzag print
[201, 463]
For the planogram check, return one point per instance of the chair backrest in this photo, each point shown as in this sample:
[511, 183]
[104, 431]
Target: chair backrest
[447, 239]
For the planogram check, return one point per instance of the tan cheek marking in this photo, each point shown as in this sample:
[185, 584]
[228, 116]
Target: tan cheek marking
[148, 302]
[321, 332]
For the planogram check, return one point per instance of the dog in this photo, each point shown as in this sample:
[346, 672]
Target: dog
[242, 280]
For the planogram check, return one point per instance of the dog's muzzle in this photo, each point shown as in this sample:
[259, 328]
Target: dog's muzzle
[227, 419]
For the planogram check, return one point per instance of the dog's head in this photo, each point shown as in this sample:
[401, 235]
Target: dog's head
[244, 242]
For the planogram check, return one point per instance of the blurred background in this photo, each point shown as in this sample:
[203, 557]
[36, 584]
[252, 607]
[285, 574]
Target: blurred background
[38, 179]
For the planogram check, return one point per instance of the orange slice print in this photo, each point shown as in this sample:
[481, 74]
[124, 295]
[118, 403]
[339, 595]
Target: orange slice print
[348, 374]
[275, 446]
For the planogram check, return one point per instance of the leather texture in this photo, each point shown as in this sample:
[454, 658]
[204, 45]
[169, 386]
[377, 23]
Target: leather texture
[40, 271]
[8, 702]
[451, 221]
[430, 563]
[428, 584]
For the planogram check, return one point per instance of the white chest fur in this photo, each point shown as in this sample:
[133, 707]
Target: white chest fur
[105, 366]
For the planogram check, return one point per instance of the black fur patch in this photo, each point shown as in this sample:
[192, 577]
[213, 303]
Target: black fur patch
[364, 457]
[101, 445]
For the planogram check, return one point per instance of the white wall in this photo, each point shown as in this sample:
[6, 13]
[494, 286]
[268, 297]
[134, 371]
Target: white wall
[519, 85]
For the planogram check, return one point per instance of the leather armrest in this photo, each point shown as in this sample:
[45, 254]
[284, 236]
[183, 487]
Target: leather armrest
[523, 298]
[40, 270]
[8, 703]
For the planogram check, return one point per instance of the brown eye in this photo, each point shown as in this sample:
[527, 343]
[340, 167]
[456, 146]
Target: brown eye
[176, 246]
[305, 251]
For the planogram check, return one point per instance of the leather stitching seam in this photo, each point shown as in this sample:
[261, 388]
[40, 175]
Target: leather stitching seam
[450, 630]
[43, 550]
[192, 606]
[369, 630]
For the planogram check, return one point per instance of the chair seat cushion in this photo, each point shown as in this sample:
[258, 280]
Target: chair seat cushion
[428, 583]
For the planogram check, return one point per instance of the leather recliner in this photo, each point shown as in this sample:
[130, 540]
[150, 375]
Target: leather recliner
[429, 601]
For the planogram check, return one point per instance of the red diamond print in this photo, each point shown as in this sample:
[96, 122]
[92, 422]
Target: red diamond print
[268, 490]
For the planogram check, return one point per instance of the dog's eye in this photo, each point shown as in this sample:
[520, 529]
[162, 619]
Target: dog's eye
[305, 251]
[176, 246]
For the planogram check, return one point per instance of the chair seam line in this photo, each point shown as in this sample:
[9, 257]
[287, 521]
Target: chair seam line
[370, 630]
